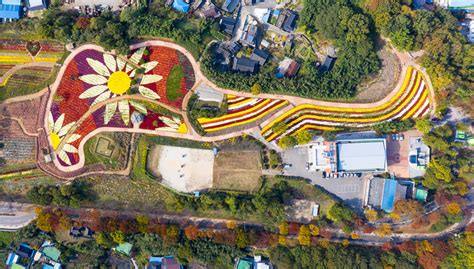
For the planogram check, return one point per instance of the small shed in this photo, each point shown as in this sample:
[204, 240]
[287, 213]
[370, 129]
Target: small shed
[180, 5]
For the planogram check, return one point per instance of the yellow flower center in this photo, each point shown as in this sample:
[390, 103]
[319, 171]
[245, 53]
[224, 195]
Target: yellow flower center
[55, 140]
[119, 82]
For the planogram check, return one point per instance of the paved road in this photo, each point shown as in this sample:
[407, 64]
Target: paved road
[15, 215]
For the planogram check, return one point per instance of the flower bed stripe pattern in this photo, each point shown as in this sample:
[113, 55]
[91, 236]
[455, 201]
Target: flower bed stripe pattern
[241, 110]
[410, 101]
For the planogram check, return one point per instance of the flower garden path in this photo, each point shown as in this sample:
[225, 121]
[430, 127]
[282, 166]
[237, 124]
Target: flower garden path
[67, 134]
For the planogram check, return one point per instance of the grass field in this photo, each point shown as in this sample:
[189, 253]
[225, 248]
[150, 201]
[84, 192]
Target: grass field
[173, 84]
[237, 171]
[5, 239]
[118, 153]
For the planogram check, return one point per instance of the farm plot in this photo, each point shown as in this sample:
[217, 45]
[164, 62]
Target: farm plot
[237, 170]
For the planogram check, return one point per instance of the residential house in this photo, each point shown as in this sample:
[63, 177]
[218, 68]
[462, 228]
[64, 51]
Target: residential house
[21, 258]
[85, 231]
[245, 64]
[287, 68]
[222, 57]
[10, 10]
[125, 248]
[328, 64]
[35, 5]
[292, 69]
[196, 4]
[234, 47]
[230, 5]
[167, 262]
[253, 262]
[180, 5]
[260, 56]
[383, 193]
[251, 33]
[227, 25]
[290, 21]
[211, 11]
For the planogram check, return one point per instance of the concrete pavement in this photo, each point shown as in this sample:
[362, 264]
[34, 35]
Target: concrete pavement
[14, 216]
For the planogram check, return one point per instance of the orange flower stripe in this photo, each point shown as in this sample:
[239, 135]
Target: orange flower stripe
[412, 100]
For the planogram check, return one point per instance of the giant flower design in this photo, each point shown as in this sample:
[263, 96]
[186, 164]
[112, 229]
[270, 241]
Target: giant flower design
[114, 79]
[57, 132]
[173, 124]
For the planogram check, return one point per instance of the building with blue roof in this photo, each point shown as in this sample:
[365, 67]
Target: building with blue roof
[383, 193]
[167, 262]
[180, 5]
[9, 12]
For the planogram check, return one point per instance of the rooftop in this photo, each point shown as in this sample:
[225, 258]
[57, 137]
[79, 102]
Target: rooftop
[362, 155]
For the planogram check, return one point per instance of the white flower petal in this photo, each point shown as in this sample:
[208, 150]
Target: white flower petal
[120, 64]
[124, 109]
[132, 74]
[73, 138]
[169, 122]
[110, 62]
[66, 129]
[93, 79]
[137, 55]
[93, 91]
[110, 109]
[166, 129]
[98, 67]
[63, 156]
[138, 106]
[128, 68]
[147, 79]
[58, 124]
[50, 121]
[104, 96]
[149, 66]
[148, 93]
[69, 148]
[177, 120]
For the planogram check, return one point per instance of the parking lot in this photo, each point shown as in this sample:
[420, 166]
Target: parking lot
[350, 189]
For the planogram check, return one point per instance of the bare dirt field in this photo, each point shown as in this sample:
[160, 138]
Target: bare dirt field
[237, 170]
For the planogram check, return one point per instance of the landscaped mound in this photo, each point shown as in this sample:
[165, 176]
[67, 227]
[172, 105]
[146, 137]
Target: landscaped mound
[411, 101]
[99, 89]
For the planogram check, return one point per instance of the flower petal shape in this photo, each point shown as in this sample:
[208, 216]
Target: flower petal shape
[58, 124]
[65, 129]
[63, 156]
[124, 109]
[149, 66]
[69, 148]
[169, 122]
[73, 138]
[147, 79]
[104, 96]
[50, 121]
[110, 62]
[137, 55]
[110, 109]
[166, 129]
[148, 93]
[93, 91]
[138, 106]
[120, 64]
[98, 67]
[94, 79]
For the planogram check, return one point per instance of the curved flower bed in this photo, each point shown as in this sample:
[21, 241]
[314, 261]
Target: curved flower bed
[241, 110]
[91, 84]
[411, 101]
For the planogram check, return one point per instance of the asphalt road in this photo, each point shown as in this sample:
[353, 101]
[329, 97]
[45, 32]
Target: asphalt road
[14, 215]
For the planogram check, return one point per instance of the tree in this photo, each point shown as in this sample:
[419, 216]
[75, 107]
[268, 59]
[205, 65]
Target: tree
[345, 243]
[453, 208]
[256, 89]
[191, 232]
[314, 230]
[142, 222]
[279, 127]
[384, 230]
[423, 125]
[371, 215]
[303, 137]
[408, 207]
[103, 240]
[287, 141]
[241, 238]
[118, 237]
[304, 236]
[283, 228]
[339, 212]
[231, 224]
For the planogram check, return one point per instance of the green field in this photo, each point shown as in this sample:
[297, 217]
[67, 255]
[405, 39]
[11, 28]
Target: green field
[173, 84]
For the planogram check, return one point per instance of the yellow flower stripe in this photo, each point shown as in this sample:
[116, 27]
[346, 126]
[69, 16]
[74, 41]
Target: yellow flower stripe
[417, 106]
[46, 59]
[207, 120]
[413, 92]
[6, 80]
[247, 121]
[408, 77]
[15, 59]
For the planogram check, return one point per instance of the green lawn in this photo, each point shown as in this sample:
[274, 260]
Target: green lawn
[173, 84]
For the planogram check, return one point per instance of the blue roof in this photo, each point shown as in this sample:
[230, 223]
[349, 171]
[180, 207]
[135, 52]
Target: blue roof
[276, 12]
[11, 2]
[390, 187]
[47, 266]
[180, 5]
[9, 11]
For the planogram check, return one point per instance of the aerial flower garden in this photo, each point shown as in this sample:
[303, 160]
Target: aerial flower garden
[241, 110]
[98, 89]
[410, 101]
